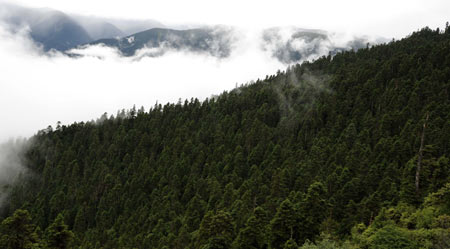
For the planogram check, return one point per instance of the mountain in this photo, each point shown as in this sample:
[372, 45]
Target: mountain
[288, 45]
[60, 31]
[130, 27]
[100, 29]
[49, 28]
[350, 151]
[291, 44]
[215, 41]
[56, 30]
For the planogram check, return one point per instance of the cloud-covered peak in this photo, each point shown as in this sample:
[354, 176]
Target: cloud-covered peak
[294, 44]
[53, 29]
[216, 41]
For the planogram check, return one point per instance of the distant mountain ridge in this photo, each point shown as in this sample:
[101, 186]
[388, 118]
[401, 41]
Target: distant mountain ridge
[287, 45]
[101, 29]
[293, 44]
[55, 30]
[216, 42]
[60, 31]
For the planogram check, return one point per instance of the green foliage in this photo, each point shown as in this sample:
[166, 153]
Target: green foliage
[440, 199]
[323, 244]
[18, 232]
[391, 237]
[405, 226]
[216, 231]
[283, 225]
[58, 234]
[253, 235]
[290, 244]
[314, 210]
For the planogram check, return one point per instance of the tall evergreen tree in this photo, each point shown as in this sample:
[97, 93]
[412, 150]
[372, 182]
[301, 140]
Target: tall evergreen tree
[18, 232]
[58, 235]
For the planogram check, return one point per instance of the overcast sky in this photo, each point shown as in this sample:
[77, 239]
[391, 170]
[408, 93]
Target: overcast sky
[383, 17]
[38, 90]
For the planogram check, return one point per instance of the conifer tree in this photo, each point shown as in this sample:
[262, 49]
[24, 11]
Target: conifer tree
[18, 232]
[58, 236]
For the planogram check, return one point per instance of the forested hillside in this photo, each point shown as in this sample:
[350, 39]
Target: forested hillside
[350, 151]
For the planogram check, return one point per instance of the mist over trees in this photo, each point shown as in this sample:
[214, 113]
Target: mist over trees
[322, 155]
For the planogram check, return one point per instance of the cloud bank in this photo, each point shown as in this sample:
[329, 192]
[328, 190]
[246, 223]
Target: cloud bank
[38, 89]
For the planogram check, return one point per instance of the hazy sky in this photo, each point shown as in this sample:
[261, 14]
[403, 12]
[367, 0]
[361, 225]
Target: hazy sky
[383, 17]
[37, 90]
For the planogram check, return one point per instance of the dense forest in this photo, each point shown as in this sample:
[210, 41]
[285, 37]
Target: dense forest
[347, 151]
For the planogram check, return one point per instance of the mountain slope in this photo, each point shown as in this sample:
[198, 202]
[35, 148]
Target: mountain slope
[325, 147]
[290, 45]
[101, 30]
[58, 31]
[52, 29]
[213, 41]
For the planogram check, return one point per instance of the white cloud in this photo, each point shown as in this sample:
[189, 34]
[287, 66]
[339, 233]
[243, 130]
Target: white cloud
[37, 90]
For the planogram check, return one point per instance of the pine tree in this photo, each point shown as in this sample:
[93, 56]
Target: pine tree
[253, 235]
[282, 226]
[216, 231]
[18, 232]
[58, 235]
[314, 209]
